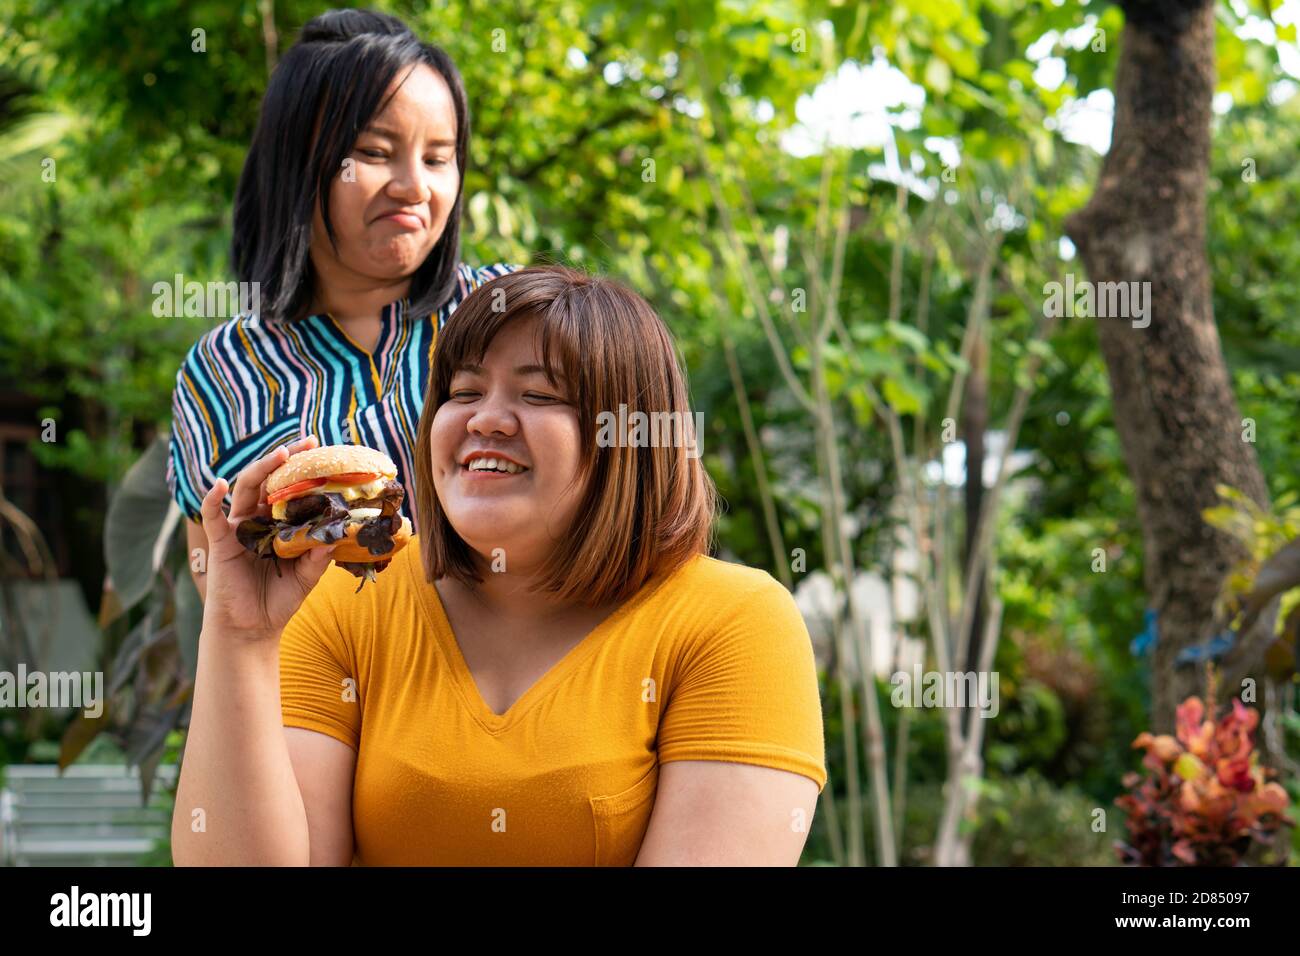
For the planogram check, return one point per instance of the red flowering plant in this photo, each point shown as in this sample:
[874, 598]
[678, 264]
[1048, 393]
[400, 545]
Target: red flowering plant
[1205, 799]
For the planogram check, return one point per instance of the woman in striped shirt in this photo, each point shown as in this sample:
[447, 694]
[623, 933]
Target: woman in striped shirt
[352, 243]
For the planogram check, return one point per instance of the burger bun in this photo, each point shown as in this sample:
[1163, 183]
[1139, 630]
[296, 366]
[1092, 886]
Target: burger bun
[329, 461]
[346, 549]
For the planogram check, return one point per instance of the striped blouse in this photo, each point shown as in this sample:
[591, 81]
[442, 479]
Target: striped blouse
[247, 387]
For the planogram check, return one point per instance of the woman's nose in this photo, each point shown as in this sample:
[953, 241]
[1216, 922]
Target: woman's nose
[410, 182]
[493, 416]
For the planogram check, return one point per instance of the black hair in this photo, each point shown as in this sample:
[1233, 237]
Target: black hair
[321, 95]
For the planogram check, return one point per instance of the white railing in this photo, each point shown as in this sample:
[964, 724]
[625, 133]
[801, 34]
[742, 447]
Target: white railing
[90, 815]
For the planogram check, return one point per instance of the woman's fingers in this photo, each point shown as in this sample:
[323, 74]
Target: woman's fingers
[310, 566]
[248, 486]
[215, 525]
[302, 444]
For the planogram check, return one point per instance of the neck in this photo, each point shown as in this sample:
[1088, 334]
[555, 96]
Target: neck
[361, 299]
[507, 596]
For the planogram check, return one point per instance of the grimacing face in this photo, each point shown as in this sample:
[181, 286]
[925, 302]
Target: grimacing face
[506, 409]
[389, 219]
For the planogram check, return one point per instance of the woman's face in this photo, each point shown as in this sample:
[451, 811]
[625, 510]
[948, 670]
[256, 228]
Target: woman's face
[506, 408]
[390, 201]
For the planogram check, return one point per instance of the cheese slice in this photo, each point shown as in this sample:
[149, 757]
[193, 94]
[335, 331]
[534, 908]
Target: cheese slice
[349, 492]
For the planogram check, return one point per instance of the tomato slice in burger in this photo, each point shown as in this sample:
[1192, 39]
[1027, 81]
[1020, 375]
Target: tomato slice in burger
[295, 489]
[298, 487]
[355, 478]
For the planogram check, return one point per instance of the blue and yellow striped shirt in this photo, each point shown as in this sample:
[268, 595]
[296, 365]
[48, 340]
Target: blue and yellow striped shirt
[248, 386]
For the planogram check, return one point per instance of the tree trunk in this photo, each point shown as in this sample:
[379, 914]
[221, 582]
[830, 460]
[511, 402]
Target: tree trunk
[1177, 418]
[975, 420]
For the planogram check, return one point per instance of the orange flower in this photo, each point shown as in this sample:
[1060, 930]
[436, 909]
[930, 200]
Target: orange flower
[1235, 772]
[1165, 748]
[1270, 798]
[1196, 734]
[1202, 805]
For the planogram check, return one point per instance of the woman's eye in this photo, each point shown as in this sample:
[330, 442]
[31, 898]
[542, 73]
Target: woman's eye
[436, 162]
[463, 393]
[375, 153]
[539, 397]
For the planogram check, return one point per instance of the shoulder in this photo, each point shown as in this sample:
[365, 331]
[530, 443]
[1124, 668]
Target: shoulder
[728, 580]
[484, 274]
[351, 600]
[224, 400]
[387, 617]
[227, 341]
[740, 679]
[725, 597]
[471, 277]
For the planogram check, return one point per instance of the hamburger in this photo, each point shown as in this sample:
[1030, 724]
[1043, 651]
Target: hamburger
[346, 496]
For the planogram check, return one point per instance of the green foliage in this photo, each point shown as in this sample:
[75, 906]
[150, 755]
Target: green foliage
[1069, 628]
[1020, 821]
[1027, 821]
[1265, 534]
[161, 853]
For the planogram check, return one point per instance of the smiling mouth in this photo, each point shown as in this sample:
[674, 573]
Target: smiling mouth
[494, 466]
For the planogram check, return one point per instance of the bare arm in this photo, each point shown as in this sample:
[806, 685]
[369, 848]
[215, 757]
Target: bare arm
[240, 800]
[254, 790]
[325, 769]
[717, 813]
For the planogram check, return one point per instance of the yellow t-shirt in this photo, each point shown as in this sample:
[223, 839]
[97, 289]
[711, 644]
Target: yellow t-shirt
[711, 662]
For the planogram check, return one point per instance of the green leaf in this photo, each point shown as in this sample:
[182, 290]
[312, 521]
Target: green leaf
[189, 620]
[901, 398]
[909, 336]
[136, 516]
[1189, 766]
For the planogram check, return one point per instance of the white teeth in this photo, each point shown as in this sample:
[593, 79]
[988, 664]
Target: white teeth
[495, 464]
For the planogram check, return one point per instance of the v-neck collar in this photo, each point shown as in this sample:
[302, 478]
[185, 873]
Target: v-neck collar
[492, 722]
[390, 316]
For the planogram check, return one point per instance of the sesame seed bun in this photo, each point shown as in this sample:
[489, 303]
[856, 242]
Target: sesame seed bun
[329, 461]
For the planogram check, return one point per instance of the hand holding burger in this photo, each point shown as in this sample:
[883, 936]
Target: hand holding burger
[341, 497]
[246, 599]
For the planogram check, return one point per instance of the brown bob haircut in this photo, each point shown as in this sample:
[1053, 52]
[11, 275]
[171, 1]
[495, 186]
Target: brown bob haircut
[645, 510]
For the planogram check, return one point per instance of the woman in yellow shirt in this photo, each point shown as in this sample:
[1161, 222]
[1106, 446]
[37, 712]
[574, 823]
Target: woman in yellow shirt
[553, 672]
